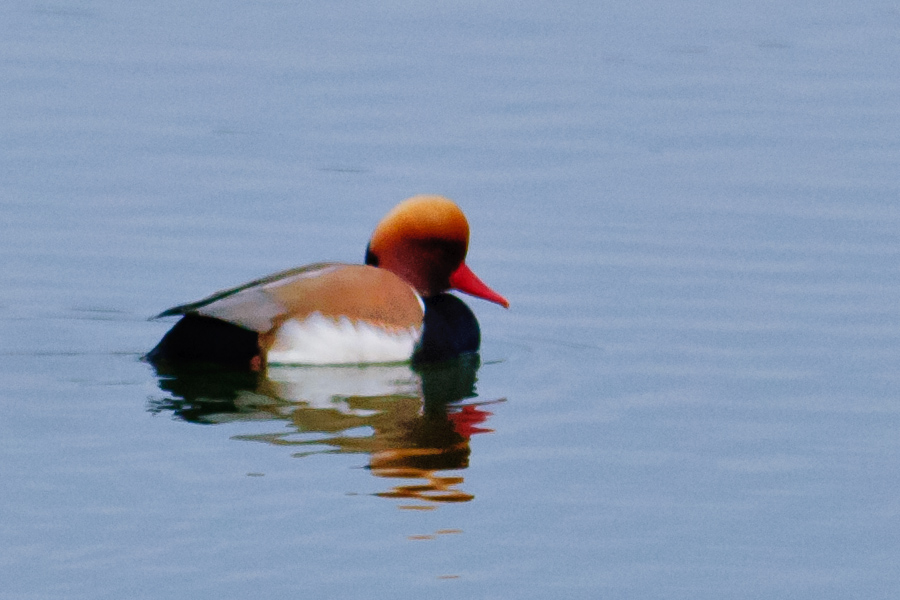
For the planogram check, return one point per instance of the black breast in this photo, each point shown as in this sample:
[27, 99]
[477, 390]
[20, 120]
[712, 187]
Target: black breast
[450, 329]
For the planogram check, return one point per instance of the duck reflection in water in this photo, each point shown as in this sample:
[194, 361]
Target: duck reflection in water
[414, 422]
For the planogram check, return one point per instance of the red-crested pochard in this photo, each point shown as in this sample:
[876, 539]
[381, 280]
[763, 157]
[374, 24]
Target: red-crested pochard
[394, 308]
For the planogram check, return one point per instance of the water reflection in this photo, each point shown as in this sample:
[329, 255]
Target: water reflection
[413, 422]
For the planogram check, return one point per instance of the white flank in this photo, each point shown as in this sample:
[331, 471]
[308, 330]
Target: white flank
[319, 340]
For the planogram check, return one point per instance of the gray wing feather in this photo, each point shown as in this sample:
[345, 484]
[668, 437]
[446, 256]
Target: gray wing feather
[221, 304]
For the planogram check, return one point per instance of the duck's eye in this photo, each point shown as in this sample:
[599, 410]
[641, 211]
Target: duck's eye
[371, 259]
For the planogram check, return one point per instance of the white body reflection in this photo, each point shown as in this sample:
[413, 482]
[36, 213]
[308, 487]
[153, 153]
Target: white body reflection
[413, 422]
[330, 387]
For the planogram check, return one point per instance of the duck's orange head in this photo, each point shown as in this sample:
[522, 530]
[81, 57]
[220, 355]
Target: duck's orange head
[424, 240]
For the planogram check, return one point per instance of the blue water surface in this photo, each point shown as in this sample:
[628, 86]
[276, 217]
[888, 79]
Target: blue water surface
[692, 208]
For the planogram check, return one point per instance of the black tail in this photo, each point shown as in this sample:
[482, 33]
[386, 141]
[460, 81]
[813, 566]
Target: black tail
[199, 339]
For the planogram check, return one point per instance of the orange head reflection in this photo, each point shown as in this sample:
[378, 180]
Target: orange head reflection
[414, 423]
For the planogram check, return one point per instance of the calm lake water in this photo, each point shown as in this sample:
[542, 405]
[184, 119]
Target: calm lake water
[692, 207]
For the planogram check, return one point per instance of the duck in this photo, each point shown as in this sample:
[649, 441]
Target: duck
[396, 307]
